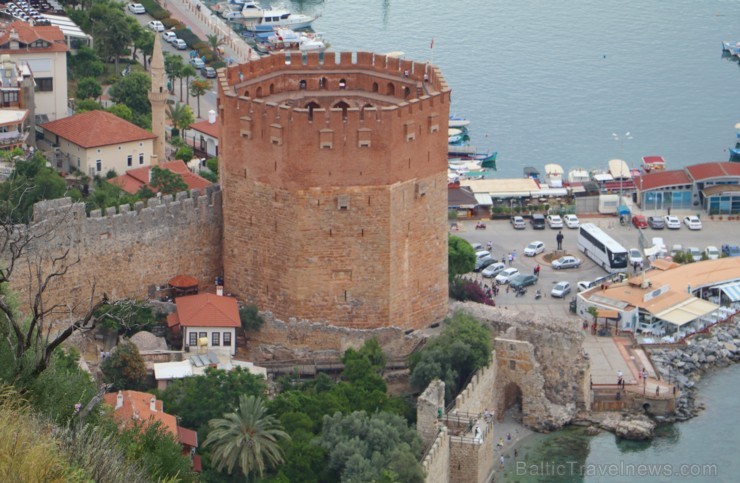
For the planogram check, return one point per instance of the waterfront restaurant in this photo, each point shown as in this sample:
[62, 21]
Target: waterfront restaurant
[665, 189]
[667, 305]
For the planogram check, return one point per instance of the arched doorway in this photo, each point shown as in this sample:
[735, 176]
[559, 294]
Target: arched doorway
[259, 92]
[343, 106]
[391, 89]
[513, 402]
[272, 89]
[375, 87]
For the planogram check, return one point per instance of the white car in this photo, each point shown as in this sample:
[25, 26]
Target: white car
[156, 25]
[560, 290]
[136, 8]
[493, 270]
[169, 37]
[554, 221]
[712, 253]
[672, 222]
[676, 249]
[180, 44]
[634, 256]
[506, 275]
[695, 253]
[534, 248]
[571, 221]
[693, 222]
[584, 285]
[566, 262]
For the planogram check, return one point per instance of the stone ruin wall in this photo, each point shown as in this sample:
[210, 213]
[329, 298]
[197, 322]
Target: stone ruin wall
[471, 461]
[479, 394]
[126, 253]
[436, 463]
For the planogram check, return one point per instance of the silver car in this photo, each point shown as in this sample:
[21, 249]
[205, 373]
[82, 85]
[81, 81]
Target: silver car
[566, 262]
[560, 290]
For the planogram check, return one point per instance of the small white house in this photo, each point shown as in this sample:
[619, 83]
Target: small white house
[206, 321]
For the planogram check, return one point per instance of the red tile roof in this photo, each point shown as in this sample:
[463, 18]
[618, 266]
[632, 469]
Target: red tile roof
[713, 170]
[137, 407]
[28, 34]
[206, 128]
[97, 128]
[207, 310]
[187, 437]
[134, 179]
[660, 179]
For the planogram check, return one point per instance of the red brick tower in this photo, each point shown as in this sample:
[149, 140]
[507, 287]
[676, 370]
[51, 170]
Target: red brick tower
[334, 175]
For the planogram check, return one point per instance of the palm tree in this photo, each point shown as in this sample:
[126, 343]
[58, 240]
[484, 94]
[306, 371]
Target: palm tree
[198, 88]
[187, 72]
[214, 41]
[181, 117]
[248, 437]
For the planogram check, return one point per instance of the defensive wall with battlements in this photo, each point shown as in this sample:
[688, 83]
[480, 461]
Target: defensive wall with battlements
[126, 252]
[334, 174]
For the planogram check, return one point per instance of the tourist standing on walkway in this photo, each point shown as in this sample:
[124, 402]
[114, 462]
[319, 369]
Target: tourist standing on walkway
[511, 258]
[559, 239]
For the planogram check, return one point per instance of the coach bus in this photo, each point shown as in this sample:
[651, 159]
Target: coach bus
[601, 248]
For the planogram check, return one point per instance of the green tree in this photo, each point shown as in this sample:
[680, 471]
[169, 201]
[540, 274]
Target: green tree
[198, 88]
[173, 65]
[88, 88]
[127, 317]
[113, 35]
[122, 111]
[144, 42]
[214, 42]
[185, 153]
[248, 438]
[85, 105]
[461, 257]
[180, 116]
[184, 397]
[31, 181]
[463, 347]
[132, 91]
[187, 72]
[124, 368]
[381, 447]
[212, 164]
[157, 451]
[251, 318]
[167, 182]
[86, 63]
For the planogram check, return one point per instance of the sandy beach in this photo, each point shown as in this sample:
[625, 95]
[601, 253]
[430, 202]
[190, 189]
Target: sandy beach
[501, 430]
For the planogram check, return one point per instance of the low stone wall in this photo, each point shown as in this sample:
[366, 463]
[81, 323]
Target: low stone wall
[478, 395]
[429, 405]
[471, 459]
[436, 463]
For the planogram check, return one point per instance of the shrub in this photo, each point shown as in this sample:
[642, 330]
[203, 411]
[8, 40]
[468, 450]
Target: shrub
[206, 54]
[172, 23]
[200, 45]
[218, 64]
[188, 36]
[250, 318]
[153, 9]
[464, 290]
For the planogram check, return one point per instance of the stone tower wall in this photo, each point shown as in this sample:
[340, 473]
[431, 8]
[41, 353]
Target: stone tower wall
[125, 254]
[428, 407]
[336, 214]
[436, 463]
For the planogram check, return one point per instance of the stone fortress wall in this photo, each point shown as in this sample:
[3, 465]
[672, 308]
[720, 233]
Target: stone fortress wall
[126, 253]
[334, 176]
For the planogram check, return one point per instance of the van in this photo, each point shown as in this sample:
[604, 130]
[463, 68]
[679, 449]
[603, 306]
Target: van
[538, 222]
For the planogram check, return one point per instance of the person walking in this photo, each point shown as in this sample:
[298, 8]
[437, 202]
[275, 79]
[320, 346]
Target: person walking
[511, 258]
[559, 239]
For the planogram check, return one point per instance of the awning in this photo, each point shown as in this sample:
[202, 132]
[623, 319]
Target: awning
[732, 290]
[607, 314]
[689, 311]
[483, 199]
[623, 210]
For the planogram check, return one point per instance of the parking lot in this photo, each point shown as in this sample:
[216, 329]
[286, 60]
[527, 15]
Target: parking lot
[505, 240]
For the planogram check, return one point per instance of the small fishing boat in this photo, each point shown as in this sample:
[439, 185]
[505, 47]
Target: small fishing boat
[619, 169]
[454, 150]
[531, 172]
[284, 39]
[456, 121]
[578, 175]
[554, 175]
[735, 152]
[259, 19]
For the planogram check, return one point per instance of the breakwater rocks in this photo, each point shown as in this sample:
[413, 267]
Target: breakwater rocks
[683, 365]
[631, 425]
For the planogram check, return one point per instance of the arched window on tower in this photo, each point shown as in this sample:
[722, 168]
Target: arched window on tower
[302, 84]
[272, 89]
[343, 106]
[323, 83]
[259, 92]
[246, 93]
[342, 84]
[311, 106]
[390, 89]
[375, 87]
[406, 92]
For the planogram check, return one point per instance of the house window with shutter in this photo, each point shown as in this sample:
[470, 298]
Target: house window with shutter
[215, 338]
[227, 339]
[193, 336]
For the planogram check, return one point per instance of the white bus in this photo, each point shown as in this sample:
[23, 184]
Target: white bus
[602, 249]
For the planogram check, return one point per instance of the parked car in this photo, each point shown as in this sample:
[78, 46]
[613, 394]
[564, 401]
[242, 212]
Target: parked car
[169, 36]
[554, 221]
[656, 222]
[731, 250]
[538, 222]
[712, 252]
[672, 222]
[482, 254]
[695, 253]
[566, 262]
[634, 256]
[521, 281]
[676, 249]
[639, 221]
[493, 270]
[477, 246]
[693, 222]
[482, 263]
[518, 223]
[505, 275]
[584, 285]
[197, 62]
[180, 44]
[571, 221]
[560, 290]
[136, 8]
[156, 25]
[534, 248]
[208, 72]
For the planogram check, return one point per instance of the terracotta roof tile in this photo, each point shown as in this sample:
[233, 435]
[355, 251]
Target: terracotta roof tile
[207, 310]
[713, 170]
[137, 406]
[660, 179]
[27, 34]
[134, 179]
[97, 128]
[188, 437]
[206, 128]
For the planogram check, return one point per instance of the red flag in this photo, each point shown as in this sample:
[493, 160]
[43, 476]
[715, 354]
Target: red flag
[431, 46]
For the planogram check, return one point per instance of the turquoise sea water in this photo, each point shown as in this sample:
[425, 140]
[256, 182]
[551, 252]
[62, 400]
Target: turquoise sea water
[550, 81]
[703, 449]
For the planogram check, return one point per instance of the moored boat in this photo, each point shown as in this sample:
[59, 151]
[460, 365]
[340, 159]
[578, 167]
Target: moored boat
[456, 121]
[619, 169]
[735, 152]
[554, 175]
[259, 19]
[578, 175]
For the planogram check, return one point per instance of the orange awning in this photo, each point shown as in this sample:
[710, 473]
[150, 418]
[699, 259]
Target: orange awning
[183, 281]
[607, 314]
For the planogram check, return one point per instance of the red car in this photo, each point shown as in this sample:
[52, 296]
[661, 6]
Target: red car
[639, 221]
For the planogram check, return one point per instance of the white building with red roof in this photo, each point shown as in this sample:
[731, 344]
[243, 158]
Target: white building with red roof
[134, 179]
[206, 320]
[44, 50]
[96, 142]
[205, 137]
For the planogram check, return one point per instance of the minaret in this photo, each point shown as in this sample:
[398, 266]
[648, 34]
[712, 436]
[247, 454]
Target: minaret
[158, 99]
